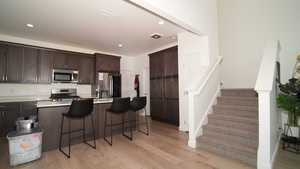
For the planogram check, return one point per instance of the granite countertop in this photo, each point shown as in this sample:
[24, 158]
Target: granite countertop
[43, 104]
[45, 101]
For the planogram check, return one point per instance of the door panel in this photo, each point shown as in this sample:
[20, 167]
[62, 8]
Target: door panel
[156, 88]
[45, 66]
[172, 111]
[156, 64]
[157, 109]
[30, 65]
[3, 52]
[171, 58]
[171, 88]
[14, 63]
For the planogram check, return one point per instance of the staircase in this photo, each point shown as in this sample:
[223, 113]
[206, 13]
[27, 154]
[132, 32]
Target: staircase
[232, 129]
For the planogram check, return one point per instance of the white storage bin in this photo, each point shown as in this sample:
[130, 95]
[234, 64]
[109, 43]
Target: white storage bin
[24, 147]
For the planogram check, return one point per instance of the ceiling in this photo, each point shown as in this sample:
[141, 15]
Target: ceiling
[94, 24]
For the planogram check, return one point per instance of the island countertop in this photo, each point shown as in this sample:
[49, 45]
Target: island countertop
[48, 103]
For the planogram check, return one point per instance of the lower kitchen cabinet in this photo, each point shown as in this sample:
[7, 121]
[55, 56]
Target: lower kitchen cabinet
[10, 112]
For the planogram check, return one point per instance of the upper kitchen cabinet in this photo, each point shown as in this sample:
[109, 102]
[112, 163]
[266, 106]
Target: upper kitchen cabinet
[171, 58]
[65, 60]
[87, 69]
[107, 63]
[45, 66]
[3, 51]
[14, 66]
[156, 64]
[30, 65]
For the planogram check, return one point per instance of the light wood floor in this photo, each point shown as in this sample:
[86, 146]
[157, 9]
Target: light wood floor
[165, 148]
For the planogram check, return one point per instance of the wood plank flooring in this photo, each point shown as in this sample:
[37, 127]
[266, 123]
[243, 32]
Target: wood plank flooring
[165, 148]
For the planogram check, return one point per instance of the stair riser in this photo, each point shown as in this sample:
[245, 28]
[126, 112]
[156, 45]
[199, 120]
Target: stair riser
[253, 109]
[245, 114]
[233, 119]
[234, 140]
[225, 101]
[251, 152]
[229, 154]
[232, 132]
[229, 124]
[240, 93]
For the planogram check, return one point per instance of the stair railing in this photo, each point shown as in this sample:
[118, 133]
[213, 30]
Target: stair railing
[268, 115]
[200, 101]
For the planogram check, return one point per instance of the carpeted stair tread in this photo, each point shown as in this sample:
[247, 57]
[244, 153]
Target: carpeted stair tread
[243, 101]
[237, 113]
[232, 124]
[239, 92]
[237, 119]
[230, 131]
[236, 107]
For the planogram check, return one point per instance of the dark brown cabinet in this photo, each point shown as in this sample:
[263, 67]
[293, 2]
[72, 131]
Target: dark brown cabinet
[107, 63]
[164, 100]
[30, 65]
[66, 60]
[45, 66]
[3, 51]
[14, 66]
[87, 69]
[10, 112]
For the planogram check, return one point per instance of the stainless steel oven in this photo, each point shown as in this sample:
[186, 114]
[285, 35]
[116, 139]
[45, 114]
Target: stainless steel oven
[65, 76]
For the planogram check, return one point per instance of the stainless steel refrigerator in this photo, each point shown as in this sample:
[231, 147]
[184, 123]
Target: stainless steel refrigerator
[108, 85]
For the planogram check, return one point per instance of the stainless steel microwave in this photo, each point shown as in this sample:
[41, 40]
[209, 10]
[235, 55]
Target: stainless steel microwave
[65, 76]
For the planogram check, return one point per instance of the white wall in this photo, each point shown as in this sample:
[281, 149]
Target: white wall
[245, 27]
[130, 66]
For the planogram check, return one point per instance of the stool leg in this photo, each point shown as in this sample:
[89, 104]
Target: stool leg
[61, 131]
[130, 127]
[93, 128]
[146, 123]
[105, 125]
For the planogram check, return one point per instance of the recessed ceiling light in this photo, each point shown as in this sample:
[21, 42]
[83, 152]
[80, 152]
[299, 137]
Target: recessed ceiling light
[120, 45]
[161, 22]
[29, 25]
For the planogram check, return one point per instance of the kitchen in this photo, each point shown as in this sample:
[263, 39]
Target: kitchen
[41, 74]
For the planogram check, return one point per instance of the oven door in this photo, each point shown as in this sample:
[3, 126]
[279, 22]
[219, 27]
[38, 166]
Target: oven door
[62, 77]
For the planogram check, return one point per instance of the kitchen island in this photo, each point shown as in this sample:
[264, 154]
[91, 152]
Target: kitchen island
[50, 117]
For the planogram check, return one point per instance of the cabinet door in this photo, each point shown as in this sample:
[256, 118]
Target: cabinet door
[60, 60]
[12, 112]
[107, 63]
[172, 111]
[28, 109]
[73, 61]
[157, 109]
[171, 60]
[86, 70]
[30, 65]
[3, 51]
[156, 88]
[45, 66]
[14, 63]
[156, 64]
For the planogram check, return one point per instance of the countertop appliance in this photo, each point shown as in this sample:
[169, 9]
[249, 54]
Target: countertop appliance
[60, 94]
[65, 76]
[108, 85]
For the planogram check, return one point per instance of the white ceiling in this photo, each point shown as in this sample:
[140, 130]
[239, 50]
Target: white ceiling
[82, 23]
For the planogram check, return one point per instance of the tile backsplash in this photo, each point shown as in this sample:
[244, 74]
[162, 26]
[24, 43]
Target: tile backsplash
[40, 89]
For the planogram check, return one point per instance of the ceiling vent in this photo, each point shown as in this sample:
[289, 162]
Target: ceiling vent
[156, 36]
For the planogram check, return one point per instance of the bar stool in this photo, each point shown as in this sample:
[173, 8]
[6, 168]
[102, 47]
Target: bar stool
[120, 106]
[79, 109]
[139, 103]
